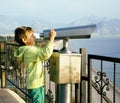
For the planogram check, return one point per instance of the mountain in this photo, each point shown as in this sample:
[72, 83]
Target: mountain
[105, 27]
[9, 23]
[110, 27]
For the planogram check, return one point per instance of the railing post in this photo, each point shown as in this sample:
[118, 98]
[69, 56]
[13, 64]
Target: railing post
[83, 95]
[3, 78]
[3, 66]
[89, 79]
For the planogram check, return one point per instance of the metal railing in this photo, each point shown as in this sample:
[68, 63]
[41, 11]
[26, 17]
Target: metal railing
[13, 75]
[101, 79]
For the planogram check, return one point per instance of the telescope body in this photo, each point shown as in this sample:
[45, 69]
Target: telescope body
[78, 32]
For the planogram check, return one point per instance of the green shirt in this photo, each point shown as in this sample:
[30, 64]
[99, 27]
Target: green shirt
[33, 57]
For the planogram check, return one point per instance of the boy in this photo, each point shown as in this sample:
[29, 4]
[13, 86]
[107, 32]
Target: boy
[32, 57]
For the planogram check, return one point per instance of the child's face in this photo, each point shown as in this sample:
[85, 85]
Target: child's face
[30, 40]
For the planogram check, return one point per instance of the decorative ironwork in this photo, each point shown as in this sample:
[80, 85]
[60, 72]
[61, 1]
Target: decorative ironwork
[46, 65]
[101, 83]
[50, 96]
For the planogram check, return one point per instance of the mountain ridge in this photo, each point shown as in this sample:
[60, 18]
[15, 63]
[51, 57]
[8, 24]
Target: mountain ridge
[105, 26]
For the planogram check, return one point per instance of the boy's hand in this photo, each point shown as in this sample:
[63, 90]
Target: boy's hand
[52, 35]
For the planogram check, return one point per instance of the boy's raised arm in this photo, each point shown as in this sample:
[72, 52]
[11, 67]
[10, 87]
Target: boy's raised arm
[52, 35]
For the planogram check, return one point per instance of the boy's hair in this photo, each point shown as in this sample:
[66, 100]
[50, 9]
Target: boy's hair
[21, 32]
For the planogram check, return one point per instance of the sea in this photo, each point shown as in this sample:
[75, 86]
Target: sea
[101, 46]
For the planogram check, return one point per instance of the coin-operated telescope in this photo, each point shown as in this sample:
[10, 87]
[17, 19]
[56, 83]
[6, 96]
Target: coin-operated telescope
[65, 66]
[78, 32]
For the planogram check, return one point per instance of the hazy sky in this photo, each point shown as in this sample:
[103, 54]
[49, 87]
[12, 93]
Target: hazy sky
[61, 10]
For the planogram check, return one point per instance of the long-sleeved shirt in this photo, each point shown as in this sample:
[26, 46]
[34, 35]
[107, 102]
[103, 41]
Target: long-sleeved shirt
[33, 57]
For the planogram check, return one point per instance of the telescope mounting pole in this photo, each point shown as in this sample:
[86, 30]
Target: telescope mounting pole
[64, 91]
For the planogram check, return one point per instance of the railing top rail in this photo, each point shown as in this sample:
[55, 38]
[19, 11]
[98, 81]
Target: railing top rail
[13, 44]
[105, 58]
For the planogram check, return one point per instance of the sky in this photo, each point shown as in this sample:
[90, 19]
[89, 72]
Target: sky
[60, 10]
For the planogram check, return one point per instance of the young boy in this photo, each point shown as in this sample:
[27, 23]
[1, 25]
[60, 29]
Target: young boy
[33, 57]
